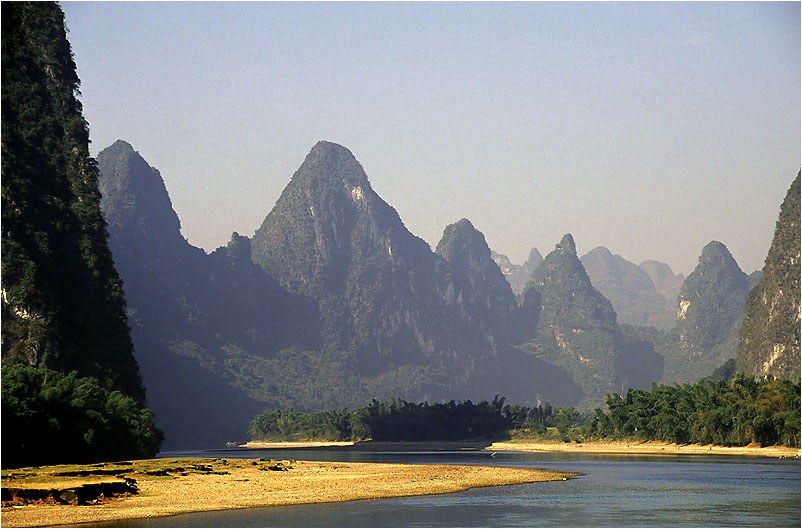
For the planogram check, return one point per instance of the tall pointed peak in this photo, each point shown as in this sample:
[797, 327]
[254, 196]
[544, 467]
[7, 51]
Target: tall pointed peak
[134, 195]
[567, 245]
[331, 162]
[714, 250]
[120, 146]
[461, 238]
[535, 257]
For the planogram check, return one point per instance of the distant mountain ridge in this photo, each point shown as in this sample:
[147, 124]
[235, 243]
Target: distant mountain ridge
[518, 275]
[333, 302]
[631, 289]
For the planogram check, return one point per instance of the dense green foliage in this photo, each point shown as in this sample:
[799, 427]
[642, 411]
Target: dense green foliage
[51, 418]
[63, 305]
[397, 420]
[734, 413]
[710, 309]
[769, 336]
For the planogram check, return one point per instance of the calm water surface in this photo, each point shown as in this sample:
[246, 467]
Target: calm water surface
[616, 491]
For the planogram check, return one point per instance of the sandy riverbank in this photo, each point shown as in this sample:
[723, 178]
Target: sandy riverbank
[644, 448]
[523, 445]
[240, 483]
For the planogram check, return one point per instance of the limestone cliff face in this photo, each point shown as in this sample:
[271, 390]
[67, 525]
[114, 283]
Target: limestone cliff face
[769, 336]
[709, 311]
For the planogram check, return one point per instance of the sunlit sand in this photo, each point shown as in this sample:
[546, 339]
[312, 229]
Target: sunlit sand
[240, 483]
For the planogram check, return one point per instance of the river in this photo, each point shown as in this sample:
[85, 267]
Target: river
[615, 491]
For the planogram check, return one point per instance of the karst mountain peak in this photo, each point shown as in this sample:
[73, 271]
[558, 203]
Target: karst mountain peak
[567, 245]
[334, 279]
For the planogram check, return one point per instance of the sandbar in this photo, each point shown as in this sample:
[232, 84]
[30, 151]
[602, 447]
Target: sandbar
[242, 483]
[644, 448]
[527, 445]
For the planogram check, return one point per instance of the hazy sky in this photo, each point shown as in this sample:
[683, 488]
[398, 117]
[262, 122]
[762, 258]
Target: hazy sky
[648, 128]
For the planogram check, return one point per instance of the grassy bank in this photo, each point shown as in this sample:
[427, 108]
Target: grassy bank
[163, 487]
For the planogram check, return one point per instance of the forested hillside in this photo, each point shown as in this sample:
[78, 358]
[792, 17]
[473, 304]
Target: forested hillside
[577, 330]
[62, 302]
[709, 313]
[769, 336]
[63, 307]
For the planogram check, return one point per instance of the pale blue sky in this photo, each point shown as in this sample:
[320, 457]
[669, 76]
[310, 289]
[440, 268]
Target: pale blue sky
[649, 128]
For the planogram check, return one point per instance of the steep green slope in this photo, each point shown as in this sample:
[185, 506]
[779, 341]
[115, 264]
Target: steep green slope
[63, 306]
[769, 336]
[380, 289]
[710, 310]
[197, 320]
[71, 389]
[577, 330]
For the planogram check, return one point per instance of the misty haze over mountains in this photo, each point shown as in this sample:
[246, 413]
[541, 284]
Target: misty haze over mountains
[333, 302]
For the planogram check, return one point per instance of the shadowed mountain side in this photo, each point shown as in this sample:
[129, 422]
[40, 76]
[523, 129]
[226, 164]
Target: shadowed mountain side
[359, 308]
[187, 308]
[480, 292]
